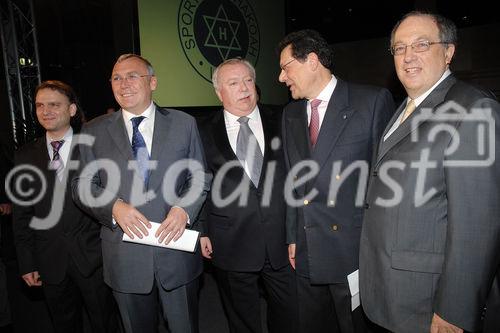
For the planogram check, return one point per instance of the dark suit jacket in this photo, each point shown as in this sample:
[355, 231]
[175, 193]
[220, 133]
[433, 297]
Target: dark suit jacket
[326, 230]
[438, 252]
[75, 235]
[241, 235]
[130, 267]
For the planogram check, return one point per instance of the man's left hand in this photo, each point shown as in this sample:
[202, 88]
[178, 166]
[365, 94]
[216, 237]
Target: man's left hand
[173, 226]
[5, 209]
[439, 325]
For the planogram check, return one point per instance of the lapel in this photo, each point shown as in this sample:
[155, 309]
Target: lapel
[298, 132]
[336, 117]
[161, 133]
[435, 98]
[41, 156]
[268, 127]
[220, 137]
[119, 136]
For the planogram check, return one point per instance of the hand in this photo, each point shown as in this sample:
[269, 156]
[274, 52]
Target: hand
[439, 325]
[130, 220]
[5, 209]
[206, 247]
[173, 226]
[291, 254]
[32, 279]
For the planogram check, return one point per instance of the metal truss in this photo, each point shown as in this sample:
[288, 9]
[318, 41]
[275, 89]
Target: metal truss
[22, 69]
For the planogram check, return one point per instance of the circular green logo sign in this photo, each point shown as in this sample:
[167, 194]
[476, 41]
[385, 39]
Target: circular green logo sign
[212, 31]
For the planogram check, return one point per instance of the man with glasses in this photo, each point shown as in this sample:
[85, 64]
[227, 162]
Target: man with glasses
[142, 141]
[430, 239]
[333, 123]
[64, 259]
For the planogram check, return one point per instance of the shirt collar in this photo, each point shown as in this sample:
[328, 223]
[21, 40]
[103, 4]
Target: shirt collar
[327, 91]
[421, 98]
[148, 113]
[233, 119]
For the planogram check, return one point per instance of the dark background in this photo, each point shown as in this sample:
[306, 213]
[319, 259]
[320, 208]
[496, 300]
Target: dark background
[79, 40]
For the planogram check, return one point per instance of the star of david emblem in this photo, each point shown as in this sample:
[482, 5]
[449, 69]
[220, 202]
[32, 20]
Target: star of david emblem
[222, 33]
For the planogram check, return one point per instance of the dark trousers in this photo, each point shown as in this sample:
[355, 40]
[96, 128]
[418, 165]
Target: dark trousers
[492, 316]
[65, 301]
[4, 300]
[327, 308]
[240, 296]
[180, 309]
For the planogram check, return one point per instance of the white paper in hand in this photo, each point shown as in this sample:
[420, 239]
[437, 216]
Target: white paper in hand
[187, 242]
[353, 280]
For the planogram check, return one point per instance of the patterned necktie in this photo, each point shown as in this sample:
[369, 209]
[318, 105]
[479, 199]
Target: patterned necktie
[410, 107]
[57, 163]
[139, 148]
[247, 140]
[314, 124]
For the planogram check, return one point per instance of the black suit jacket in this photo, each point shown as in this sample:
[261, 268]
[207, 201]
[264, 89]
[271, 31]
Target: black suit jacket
[241, 235]
[75, 235]
[326, 230]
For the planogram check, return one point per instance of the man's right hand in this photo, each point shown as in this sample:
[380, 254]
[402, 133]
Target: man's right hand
[291, 254]
[206, 247]
[32, 279]
[130, 220]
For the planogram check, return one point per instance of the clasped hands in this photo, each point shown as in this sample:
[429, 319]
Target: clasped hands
[134, 223]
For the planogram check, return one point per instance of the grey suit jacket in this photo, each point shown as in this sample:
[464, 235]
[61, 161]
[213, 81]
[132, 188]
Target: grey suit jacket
[326, 230]
[129, 267]
[436, 249]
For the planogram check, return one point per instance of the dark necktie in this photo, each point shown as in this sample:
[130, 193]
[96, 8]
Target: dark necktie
[314, 124]
[57, 163]
[139, 148]
[247, 140]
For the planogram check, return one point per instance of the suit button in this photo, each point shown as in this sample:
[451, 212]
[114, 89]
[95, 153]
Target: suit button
[375, 173]
[337, 177]
[306, 202]
[335, 227]
[331, 203]
[367, 205]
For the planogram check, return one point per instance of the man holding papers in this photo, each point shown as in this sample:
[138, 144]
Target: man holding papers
[133, 173]
[245, 231]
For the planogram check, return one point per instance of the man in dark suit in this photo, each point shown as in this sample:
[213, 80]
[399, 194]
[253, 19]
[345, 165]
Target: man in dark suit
[245, 238]
[329, 134]
[58, 246]
[5, 212]
[430, 239]
[126, 186]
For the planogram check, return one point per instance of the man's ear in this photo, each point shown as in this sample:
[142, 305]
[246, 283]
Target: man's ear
[153, 82]
[218, 94]
[72, 109]
[449, 52]
[313, 60]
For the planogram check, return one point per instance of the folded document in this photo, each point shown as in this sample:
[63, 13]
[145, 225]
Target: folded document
[187, 242]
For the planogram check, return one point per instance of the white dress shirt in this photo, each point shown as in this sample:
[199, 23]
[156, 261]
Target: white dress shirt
[233, 128]
[324, 96]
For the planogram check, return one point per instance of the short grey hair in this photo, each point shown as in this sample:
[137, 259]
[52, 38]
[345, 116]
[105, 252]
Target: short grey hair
[146, 62]
[447, 28]
[232, 61]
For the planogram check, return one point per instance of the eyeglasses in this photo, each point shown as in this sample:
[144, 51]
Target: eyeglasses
[131, 78]
[420, 46]
[283, 68]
